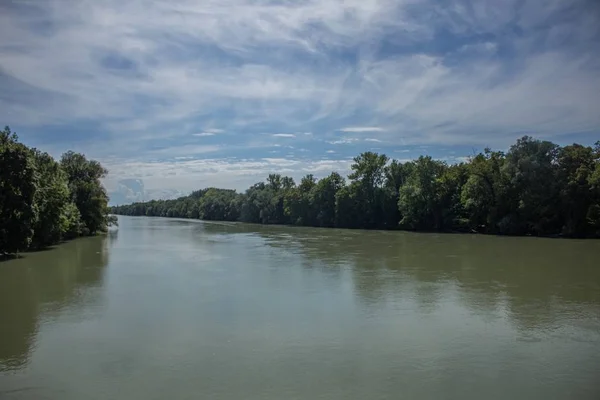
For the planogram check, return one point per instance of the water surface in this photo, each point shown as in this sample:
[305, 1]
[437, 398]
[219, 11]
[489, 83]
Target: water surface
[182, 309]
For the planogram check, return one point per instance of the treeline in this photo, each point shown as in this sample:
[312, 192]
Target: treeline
[44, 201]
[536, 188]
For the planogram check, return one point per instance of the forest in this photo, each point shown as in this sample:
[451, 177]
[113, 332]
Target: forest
[535, 188]
[44, 201]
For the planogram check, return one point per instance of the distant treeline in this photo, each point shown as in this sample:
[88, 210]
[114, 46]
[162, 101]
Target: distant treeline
[536, 188]
[42, 201]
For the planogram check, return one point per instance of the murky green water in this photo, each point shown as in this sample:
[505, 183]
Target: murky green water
[173, 309]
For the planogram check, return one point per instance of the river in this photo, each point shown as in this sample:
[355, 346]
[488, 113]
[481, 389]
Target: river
[179, 309]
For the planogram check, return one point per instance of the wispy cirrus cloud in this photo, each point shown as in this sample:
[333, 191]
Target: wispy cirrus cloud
[142, 80]
[343, 141]
[360, 129]
[204, 134]
[208, 132]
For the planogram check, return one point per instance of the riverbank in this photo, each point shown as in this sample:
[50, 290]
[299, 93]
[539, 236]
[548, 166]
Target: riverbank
[14, 256]
[457, 232]
[537, 188]
[44, 201]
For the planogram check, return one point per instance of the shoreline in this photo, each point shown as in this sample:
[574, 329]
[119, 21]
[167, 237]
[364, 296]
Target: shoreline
[474, 233]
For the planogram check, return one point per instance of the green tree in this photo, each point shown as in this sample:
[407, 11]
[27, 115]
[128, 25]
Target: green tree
[536, 188]
[484, 195]
[87, 192]
[396, 175]
[324, 196]
[348, 207]
[532, 166]
[298, 202]
[421, 199]
[51, 198]
[576, 168]
[593, 214]
[18, 184]
[367, 177]
[219, 205]
[71, 224]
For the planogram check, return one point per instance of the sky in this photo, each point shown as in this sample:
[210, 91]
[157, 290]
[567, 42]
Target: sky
[177, 95]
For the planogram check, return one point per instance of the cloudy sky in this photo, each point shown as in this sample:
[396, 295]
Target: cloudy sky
[185, 94]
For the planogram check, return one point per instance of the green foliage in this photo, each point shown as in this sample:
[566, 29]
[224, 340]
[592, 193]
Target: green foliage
[219, 205]
[18, 184]
[531, 166]
[323, 199]
[575, 170]
[536, 188]
[298, 205]
[423, 196]
[42, 201]
[51, 197]
[71, 223]
[484, 194]
[367, 179]
[87, 191]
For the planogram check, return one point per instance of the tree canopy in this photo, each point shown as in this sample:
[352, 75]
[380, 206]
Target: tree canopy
[536, 188]
[43, 201]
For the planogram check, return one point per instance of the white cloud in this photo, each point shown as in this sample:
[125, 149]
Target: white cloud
[183, 150]
[361, 129]
[552, 94]
[372, 140]
[182, 175]
[427, 99]
[209, 132]
[343, 141]
[138, 71]
[200, 134]
[156, 41]
[487, 47]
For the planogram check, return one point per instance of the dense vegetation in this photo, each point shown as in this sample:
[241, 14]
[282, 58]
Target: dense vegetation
[536, 188]
[42, 201]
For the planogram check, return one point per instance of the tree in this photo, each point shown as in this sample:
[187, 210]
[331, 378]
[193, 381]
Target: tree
[421, 197]
[18, 184]
[298, 203]
[396, 175]
[576, 167]
[366, 181]
[219, 205]
[43, 202]
[593, 214]
[324, 196]
[484, 194]
[532, 168]
[537, 188]
[52, 199]
[87, 192]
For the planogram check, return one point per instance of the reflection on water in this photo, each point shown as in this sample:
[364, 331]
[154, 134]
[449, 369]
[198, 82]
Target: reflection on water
[41, 285]
[489, 274]
[185, 309]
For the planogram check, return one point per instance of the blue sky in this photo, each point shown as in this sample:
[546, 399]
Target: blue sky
[184, 94]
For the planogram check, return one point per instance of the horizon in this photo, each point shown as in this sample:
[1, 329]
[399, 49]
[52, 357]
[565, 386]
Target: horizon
[183, 96]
